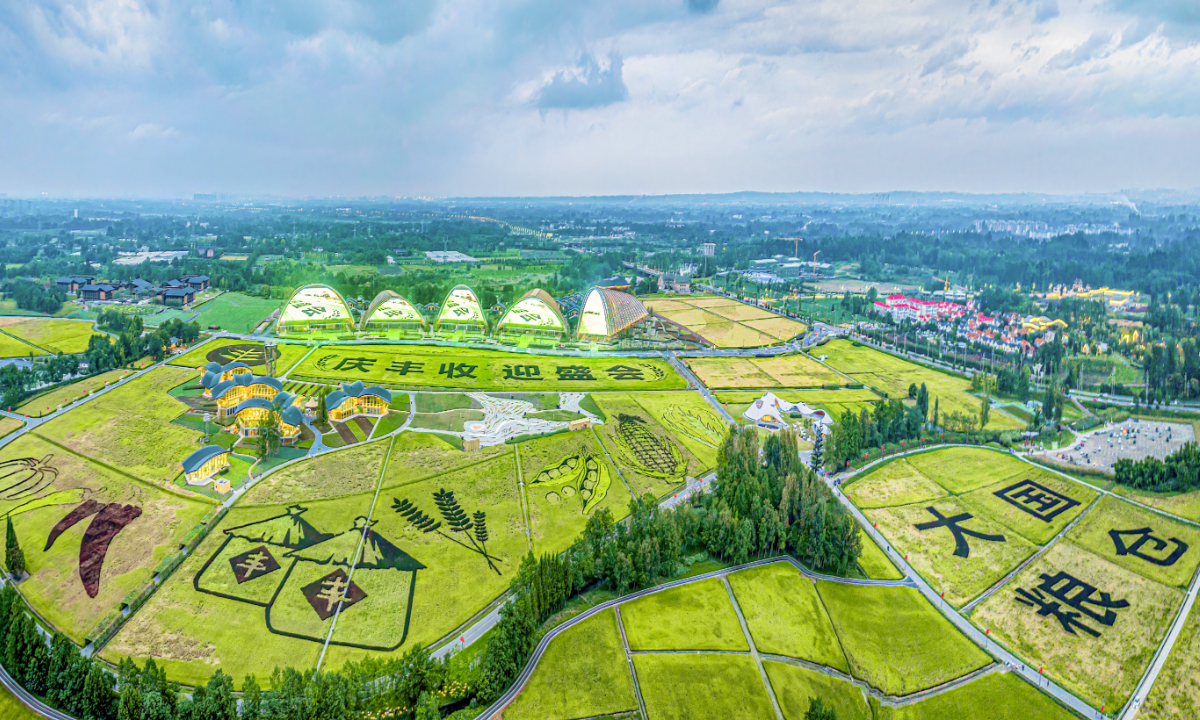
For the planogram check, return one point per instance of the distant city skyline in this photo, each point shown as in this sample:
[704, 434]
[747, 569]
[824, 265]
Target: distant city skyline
[457, 98]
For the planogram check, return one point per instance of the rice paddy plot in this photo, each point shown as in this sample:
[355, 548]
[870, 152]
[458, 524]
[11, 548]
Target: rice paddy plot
[1176, 694]
[785, 616]
[1145, 542]
[650, 457]
[874, 563]
[894, 483]
[226, 350]
[696, 616]
[702, 687]
[13, 709]
[961, 470]
[922, 649]
[739, 312]
[1035, 504]
[11, 347]
[791, 371]
[583, 673]
[779, 327]
[1094, 625]
[53, 336]
[329, 475]
[48, 402]
[692, 421]
[795, 688]
[995, 696]
[955, 550]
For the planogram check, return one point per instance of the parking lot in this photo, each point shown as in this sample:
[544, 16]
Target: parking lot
[1133, 439]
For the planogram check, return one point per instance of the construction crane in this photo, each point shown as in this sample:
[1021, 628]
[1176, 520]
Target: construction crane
[797, 240]
[945, 289]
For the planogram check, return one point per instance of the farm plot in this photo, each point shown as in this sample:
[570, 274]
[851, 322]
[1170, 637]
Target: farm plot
[329, 475]
[421, 456]
[874, 562]
[1149, 544]
[791, 371]
[48, 402]
[567, 478]
[469, 369]
[10, 347]
[1176, 694]
[53, 336]
[896, 483]
[739, 312]
[779, 327]
[702, 687]
[1093, 624]
[922, 649]
[785, 616]
[465, 563]
[734, 335]
[961, 470]
[582, 674]
[893, 376]
[130, 427]
[236, 313]
[90, 535]
[696, 616]
[226, 350]
[244, 600]
[996, 696]
[795, 687]
[652, 458]
[1036, 505]
[690, 418]
[954, 550]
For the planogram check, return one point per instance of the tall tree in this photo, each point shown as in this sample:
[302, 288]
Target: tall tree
[14, 558]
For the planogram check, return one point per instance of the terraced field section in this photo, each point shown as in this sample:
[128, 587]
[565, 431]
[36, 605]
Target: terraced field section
[52, 336]
[470, 369]
[724, 322]
[963, 515]
[816, 640]
[893, 375]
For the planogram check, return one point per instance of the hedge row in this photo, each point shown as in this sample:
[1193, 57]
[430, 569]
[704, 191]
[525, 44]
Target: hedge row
[106, 628]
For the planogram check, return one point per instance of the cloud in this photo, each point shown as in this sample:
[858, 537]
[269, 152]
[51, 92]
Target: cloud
[1045, 10]
[946, 57]
[586, 86]
[152, 131]
[1091, 48]
[702, 6]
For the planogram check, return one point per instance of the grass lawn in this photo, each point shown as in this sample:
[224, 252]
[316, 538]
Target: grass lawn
[1176, 694]
[441, 402]
[894, 483]
[235, 312]
[785, 615]
[932, 552]
[790, 371]
[48, 402]
[390, 423]
[556, 521]
[352, 471]
[922, 649]
[795, 687]
[702, 687]
[696, 616]
[13, 709]
[10, 347]
[54, 587]
[1092, 533]
[457, 581]
[995, 696]
[1098, 669]
[54, 336]
[582, 674]
[893, 375]
[874, 562]
[130, 427]
[453, 420]
[471, 369]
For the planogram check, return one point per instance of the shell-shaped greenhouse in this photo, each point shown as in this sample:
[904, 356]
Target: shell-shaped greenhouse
[535, 313]
[605, 313]
[313, 308]
[461, 309]
[391, 310]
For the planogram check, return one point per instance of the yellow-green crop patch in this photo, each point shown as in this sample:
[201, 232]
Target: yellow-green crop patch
[961, 470]
[955, 550]
[893, 375]
[53, 336]
[1145, 542]
[1185, 505]
[895, 640]
[1036, 504]
[48, 402]
[10, 347]
[129, 427]
[696, 616]
[582, 674]
[702, 687]
[795, 688]
[651, 457]
[1176, 694]
[226, 350]
[556, 471]
[13, 709]
[995, 696]
[470, 369]
[895, 483]
[796, 370]
[46, 488]
[874, 562]
[352, 471]
[1093, 624]
[785, 616]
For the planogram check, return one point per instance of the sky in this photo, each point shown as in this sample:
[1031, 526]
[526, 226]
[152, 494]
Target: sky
[437, 98]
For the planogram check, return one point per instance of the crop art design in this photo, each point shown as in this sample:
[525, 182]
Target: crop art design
[652, 455]
[473, 528]
[108, 520]
[584, 476]
[303, 577]
[22, 477]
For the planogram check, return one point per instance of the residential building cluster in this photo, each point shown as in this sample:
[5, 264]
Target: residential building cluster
[1006, 332]
[180, 291]
[901, 308]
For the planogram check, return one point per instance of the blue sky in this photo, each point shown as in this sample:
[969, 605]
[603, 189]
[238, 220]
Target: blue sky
[553, 97]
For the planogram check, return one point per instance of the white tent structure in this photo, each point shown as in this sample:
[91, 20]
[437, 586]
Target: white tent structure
[772, 410]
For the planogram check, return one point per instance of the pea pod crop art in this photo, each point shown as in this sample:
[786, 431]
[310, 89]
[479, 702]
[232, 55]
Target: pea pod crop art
[583, 475]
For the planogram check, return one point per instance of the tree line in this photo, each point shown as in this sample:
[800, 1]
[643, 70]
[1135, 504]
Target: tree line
[1179, 472]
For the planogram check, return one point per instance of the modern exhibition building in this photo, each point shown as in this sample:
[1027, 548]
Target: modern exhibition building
[315, 308]
[605, 314]
[537, 314]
